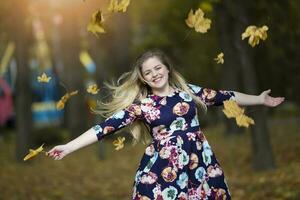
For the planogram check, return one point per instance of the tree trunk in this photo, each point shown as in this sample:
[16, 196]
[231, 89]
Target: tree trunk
[23, 91]
[261, 147]
[230, 68]
[76, 109]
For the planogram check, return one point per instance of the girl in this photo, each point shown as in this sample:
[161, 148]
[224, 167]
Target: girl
[178, 163]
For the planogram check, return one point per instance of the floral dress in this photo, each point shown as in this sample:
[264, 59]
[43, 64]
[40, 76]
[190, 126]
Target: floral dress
[179, 163]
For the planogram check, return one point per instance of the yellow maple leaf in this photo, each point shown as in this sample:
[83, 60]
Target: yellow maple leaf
[220, 58]
[43, 78]
[116, 6]
[262, 32]
[119, 143]
[255, 34]
[61, 103]
[95, 24]
[113, 5]
[232, 110]
[243, 120]
[33, 152]
[93, 89]
[196, 20]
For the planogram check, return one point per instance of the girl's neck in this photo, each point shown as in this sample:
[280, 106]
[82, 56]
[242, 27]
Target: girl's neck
[167, 90]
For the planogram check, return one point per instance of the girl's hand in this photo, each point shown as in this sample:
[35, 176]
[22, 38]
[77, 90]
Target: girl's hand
[60, 151]
[270, 101]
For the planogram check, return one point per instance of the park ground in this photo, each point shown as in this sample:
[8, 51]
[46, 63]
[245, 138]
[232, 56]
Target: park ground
[84, 176]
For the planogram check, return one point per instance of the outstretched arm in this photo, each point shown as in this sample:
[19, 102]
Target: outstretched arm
[217, 97]
[109, 126]
[262, 99]
[85, 139]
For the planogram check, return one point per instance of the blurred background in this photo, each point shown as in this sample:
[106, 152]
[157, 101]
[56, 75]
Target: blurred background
[50, 36]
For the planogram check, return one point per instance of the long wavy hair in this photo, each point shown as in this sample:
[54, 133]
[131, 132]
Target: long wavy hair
[131, 87]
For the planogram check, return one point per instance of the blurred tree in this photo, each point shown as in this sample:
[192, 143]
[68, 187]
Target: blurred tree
[277, 60]
[76, 109]
[262, 150]
[21, 36]
[230, 70]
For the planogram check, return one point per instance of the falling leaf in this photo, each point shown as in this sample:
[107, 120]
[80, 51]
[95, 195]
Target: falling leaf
[32, 153]
[119, 143]
[220, 58]
[93, 89]
[115, 6]
[232, 110]
[198, 21]
[95, 25]
[61, 103]
[243, 120]
[43, 78]
[255, 34]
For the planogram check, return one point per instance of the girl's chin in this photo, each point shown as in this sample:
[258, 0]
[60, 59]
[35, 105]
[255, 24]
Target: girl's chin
[158, 85]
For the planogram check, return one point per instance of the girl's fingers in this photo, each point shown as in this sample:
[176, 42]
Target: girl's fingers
[267, 91]
[54, 152]
[58, 157]
[51, 151]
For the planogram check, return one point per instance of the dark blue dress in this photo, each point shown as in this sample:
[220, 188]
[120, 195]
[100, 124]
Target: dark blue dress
[179, 163]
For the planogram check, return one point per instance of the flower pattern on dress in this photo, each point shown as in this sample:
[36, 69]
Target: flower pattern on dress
[150, 150]
[169, 193]
[160, 132]
[206, 153]
[214, 171]
[149, 178]
[182, 181]
[181, 108]
[179, 163]
[178, 124]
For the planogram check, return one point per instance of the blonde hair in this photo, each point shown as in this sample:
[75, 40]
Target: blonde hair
[131, 87]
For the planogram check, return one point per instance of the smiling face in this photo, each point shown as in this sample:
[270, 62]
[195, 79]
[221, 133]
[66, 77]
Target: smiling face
[155, 73]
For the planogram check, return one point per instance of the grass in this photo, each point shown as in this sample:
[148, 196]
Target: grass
[84, 176]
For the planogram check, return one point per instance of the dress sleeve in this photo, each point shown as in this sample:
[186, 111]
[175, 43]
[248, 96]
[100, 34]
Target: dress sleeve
[212, 97]
[118, 120]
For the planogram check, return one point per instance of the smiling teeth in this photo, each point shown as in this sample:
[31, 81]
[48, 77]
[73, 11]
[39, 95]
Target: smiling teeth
[156, 80]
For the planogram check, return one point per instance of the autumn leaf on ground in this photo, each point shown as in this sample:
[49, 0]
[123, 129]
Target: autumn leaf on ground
[220, 58]
[119, 143]
[232, 110]
[93, 89]
[33, 153]
[61, 103]
[43, 78]
[198, 21]
[95, 25]
[116, 6]
[255, 34]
